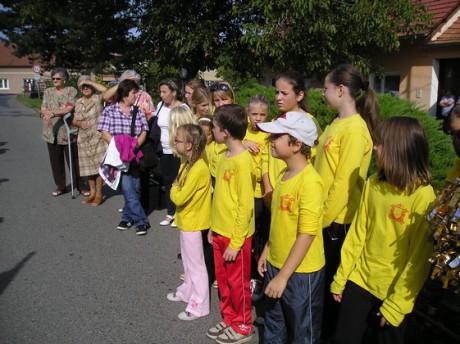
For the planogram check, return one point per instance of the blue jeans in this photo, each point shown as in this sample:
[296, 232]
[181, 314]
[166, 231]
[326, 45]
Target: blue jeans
[296, 316]
[131, 188]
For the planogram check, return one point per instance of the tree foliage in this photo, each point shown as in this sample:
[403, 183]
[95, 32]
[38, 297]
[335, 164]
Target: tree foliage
[67, 33]
[238, 36]
[316, 35]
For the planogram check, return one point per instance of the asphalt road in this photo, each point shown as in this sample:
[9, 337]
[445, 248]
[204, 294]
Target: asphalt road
[67, 275]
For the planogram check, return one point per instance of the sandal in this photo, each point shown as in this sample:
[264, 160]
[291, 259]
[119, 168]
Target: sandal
[57, 192]
[84, 192]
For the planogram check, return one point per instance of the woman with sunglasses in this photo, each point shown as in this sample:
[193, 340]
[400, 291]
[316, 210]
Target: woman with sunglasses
[170, 94]
[57, 102]
[91, 145]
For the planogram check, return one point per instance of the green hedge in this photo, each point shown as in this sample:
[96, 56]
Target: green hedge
[442, 154]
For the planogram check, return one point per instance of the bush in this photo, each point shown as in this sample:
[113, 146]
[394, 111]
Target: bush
[442, 154]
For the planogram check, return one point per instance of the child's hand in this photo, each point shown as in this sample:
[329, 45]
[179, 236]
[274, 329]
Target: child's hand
[337, 297]
[262, 264]
[251, 146]
[276, 287]
[210, 235]
[383, 321]
[267, 197]
[230, 254]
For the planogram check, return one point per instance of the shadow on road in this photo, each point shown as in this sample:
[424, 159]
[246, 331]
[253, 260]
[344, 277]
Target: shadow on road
[2, 180]
[8, 276]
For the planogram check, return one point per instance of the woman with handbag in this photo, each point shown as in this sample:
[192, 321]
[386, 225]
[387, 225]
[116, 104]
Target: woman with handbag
[118, 121]
[58, 101]
[91, 145]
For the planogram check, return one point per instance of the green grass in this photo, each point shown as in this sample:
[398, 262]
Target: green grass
[33, 103]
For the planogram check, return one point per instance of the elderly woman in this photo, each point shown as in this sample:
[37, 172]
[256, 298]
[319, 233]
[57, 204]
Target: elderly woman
[116, 120]
[169, 164]
[91, 145]
[57, 102]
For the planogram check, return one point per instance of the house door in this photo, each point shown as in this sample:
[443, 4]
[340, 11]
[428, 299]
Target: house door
[449, 78]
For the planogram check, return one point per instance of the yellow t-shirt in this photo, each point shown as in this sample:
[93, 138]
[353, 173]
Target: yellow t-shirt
[261, 139]
[342, 160]
[218, 151]
[297, 207]
[232, 213]
[387, 247]
[193, 200]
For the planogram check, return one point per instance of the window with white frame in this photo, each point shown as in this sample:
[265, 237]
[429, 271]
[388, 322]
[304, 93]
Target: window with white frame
[4, 84]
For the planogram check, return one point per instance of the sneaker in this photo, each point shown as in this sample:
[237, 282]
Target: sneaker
[141, 230]
[120, 210]
[187, 316]
[167, 220]
[173, 225]
[173, 297]
[124, 225]
[257, 290]
[215, 285]
[230, 336]
[217, 330]
[182, 277]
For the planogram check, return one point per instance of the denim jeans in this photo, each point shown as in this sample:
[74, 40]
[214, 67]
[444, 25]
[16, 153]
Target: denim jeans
[131, 188]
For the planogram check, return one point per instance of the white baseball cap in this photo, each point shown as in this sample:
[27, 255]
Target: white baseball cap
[296, 124]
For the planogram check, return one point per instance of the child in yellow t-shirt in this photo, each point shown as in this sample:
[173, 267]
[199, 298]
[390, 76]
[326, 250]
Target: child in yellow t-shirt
[384, 258]
[232, 226]
[255, 142]
[293, 258]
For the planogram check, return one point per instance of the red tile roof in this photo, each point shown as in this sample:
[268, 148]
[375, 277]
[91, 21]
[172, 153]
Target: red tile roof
[440, 9]
[8, 59]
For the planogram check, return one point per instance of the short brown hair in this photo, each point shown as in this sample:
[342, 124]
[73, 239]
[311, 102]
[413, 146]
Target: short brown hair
[233, 118]
[404, 159]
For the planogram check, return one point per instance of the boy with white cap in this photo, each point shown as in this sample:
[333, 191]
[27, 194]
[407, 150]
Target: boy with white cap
[293, 258]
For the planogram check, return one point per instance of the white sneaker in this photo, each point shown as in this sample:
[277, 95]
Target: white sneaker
[173, 297]
[215, 285]
[182, 277]
[167, 220]
[173, 225]
[187, 316]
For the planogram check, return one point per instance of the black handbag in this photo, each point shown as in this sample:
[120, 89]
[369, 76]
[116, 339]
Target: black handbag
[149, 150]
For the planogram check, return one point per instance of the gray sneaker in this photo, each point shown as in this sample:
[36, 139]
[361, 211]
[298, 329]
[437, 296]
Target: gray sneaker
[216, 330]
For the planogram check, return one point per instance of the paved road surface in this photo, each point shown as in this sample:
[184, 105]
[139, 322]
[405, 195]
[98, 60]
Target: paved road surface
[66, 274]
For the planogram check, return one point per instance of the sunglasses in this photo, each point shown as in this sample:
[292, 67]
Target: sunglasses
[219, 87]
[54, 79]
[85, 86]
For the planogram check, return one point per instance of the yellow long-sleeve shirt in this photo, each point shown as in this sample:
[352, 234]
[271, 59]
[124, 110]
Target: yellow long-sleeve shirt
[342, 160]
[193, 199]
[232, 213]
[261, 139]
[297, 208]
[216, 155]
[387, 248]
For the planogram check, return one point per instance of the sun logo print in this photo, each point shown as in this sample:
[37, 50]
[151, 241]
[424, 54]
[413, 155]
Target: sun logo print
[228, 174]
[328, 143]
[398, 213]
[286, 202]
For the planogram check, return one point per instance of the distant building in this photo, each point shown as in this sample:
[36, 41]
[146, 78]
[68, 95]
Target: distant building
[16, 74]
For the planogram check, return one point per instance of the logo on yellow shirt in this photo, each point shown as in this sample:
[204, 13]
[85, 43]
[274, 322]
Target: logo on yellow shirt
[228, 174]
[286, 202]
[397, 213]
[328, 143]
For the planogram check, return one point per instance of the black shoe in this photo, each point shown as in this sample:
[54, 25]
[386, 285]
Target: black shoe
[123, 226]
[141, 230]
